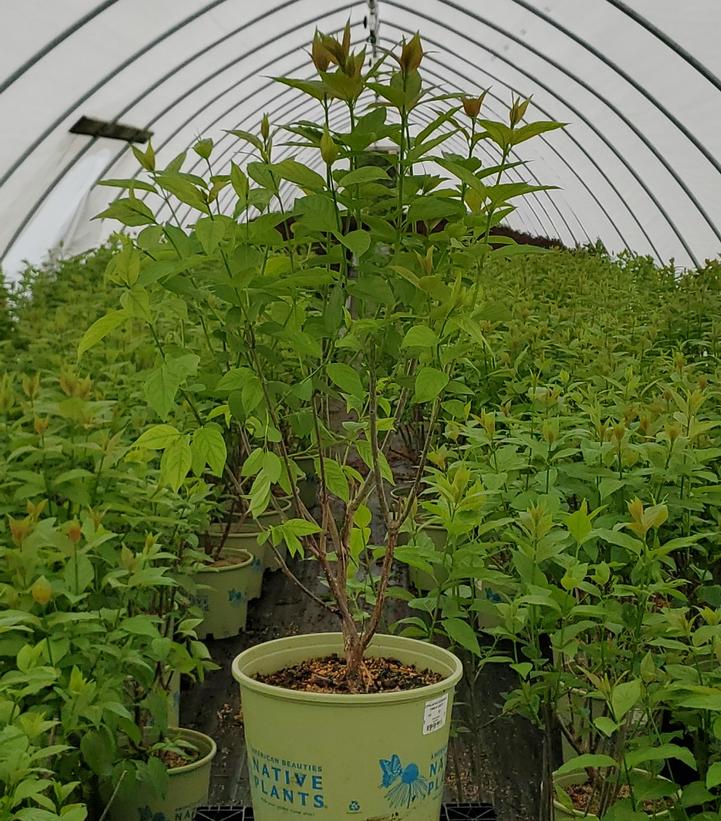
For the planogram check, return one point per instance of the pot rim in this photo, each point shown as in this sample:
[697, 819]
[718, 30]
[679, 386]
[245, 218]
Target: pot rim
[245, 559]
[193, 736]
[332, 643]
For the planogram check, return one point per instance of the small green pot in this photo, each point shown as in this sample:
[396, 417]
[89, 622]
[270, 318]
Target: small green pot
[224, 593]
[188, 788]
[246, 541]
[333, 756]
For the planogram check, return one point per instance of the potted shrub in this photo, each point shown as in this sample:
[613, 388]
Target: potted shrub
[171, 781]
[370, 281]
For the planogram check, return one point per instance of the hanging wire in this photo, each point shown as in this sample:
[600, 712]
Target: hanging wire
[372, 22]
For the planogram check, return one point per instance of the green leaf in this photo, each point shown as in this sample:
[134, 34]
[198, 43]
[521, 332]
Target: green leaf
[129, 183]
[357, 241]
[429, 209]
[606, 725]
[346, 378]
[662, 752]
[78, 574]
[335, 479]
[608, 486]
[255, 141]
[429, 384]
[130, 211]
[419, 336]
[208, 447]
[368, 173]
[175, 463]
[100, 329]
[140, 626]
[317, 213]
[301, 175]
[526, 132]
[204, 148]
[136, 303]
[184, 190]
[158, 437]
[463, 634]
[621, 539]
[583, 762]
[233, 380]
[162, 385]
[624, 697]
[99, 755]
[210, 232]
[313, 88]
[713, 775]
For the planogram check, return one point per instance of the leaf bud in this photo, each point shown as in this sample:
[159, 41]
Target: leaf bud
[41, 591]
[328, 148]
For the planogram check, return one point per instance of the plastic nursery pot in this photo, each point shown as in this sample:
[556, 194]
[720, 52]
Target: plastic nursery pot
[188, 787]
[563, 813]
[246, 542]
[224, 593]
[334, 756]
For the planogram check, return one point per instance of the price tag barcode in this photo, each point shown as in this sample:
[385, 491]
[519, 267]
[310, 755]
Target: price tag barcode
[435, 714]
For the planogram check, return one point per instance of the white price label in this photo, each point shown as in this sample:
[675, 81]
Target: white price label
[434, 716]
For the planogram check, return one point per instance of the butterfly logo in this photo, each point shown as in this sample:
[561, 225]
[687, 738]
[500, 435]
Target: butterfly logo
[404, 784]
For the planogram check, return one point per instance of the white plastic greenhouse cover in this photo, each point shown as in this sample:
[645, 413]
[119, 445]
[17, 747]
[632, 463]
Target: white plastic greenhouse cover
[638, 167]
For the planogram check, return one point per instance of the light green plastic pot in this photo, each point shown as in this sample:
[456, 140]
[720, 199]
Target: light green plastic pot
[248, 543]
[223, 594]
[188, 788]
[332, 756]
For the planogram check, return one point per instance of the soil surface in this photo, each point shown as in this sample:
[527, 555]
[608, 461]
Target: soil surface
[224, 561]
[586, 799]
[173, 759]
[328, 675]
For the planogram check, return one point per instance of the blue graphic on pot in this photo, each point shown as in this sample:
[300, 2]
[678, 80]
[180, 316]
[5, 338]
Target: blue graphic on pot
[235, 597]
[405, 784]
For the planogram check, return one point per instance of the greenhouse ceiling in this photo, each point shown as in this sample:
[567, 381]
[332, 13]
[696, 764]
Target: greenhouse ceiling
[638, 167]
